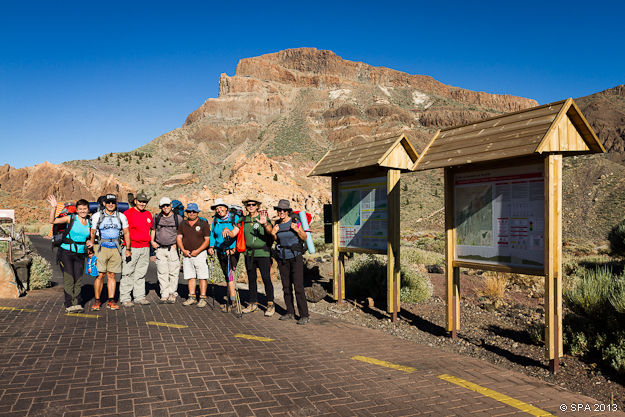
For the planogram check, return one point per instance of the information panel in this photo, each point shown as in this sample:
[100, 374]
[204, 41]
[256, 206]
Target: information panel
[363, 214]
[500, 216]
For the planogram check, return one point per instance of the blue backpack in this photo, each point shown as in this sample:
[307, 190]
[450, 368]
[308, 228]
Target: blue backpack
[177, 207]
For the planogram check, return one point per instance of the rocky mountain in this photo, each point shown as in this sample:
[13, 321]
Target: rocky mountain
[280, 112]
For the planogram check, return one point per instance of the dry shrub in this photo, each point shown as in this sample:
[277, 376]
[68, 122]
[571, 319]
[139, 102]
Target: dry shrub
[495, 287]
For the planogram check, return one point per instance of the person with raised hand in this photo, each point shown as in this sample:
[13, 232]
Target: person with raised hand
[257, 231]
[72, 251]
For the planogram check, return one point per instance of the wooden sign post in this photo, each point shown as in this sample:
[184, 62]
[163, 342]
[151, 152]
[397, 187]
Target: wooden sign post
[365, 206]
[503, 200]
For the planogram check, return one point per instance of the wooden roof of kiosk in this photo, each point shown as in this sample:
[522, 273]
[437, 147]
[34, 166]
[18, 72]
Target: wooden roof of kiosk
[557, 127]
[394, 152]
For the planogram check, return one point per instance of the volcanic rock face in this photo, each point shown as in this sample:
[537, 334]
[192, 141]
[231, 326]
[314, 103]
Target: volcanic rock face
[272, 121]
[39, 181]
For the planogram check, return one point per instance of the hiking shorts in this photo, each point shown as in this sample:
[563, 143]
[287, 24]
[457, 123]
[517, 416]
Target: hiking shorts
[196, 267]
[109, 260]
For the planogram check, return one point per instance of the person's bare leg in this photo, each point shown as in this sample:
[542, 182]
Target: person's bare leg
[98, 283]
[203, 287]
[231, 288]
[191, 283]
[110, 284]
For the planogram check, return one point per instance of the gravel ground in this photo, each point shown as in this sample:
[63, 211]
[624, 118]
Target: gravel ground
[507, 336]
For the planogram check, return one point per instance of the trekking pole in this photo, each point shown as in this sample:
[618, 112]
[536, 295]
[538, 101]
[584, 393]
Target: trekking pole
[239, 313]
[212, 274]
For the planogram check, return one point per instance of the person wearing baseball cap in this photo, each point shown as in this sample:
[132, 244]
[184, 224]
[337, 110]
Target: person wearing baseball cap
[136, 266]
[109, 226]
[163, 240]
[193, 239]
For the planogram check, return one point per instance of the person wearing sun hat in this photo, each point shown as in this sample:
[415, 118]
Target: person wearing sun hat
[223, 241]
[290, 236]
[257, 231]
[193, 238]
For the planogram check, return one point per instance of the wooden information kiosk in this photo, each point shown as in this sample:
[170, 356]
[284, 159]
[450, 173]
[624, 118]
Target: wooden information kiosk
[365, 205]
[503, 200]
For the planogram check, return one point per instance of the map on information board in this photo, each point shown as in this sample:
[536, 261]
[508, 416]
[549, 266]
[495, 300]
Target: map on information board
[363, 214]
[500, 216]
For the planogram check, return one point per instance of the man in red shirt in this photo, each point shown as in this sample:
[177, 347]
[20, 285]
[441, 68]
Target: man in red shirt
[135, 266]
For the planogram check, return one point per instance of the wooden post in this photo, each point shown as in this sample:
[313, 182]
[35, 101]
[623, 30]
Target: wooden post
[393, 253]
[338, 290]
[452, 273]
[553, 260]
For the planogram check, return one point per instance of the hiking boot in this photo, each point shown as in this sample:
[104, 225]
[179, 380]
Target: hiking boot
[78, 308]
[271, 309]
[171, 299]
[190, 301]
[163, 301]
[69, 309]
[96, 305]
[142, 302]
[303, 320]
[202, 302]
[250, 308]
[112, 305]
[225, 308]
[128, 304]
[287, 317]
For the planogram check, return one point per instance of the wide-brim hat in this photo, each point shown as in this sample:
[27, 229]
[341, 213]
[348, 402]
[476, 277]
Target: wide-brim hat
[247, 200]
[164, 201]
[283, 205]
[219, 202]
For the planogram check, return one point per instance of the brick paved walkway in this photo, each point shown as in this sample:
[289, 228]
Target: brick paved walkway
[117, 365]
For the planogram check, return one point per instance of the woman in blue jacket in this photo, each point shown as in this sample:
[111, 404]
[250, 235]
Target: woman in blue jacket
[223, 242]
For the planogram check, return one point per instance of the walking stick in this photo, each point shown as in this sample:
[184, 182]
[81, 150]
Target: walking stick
[239, 313]
[212, 275]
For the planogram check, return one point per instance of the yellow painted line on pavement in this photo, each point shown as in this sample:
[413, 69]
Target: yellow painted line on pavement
[250, 337]
[158, 323]
[28, 310]
[92, 316]
[529, 409]
[384, 363]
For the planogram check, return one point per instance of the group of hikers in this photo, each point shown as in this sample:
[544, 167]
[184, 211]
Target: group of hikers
[113, 243]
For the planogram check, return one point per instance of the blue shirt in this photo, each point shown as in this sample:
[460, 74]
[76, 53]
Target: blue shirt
[78, 233]
[217, 240]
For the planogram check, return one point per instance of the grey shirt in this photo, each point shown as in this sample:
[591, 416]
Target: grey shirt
[166, 231]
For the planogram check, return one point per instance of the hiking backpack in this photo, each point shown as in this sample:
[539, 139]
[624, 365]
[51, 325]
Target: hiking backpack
[59, 230]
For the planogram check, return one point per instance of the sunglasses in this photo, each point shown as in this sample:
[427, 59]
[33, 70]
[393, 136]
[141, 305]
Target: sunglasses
[281, 211]
[164, 205]
[251, 204]
[110, 202]
[191, 211]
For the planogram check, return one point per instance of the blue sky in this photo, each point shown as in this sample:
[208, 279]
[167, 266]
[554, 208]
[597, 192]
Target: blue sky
[78, 80]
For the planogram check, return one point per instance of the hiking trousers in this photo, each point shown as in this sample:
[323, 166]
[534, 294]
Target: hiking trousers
[264, 264]
[133, 275]
[292, 274]
[168, 270]
[72, 266]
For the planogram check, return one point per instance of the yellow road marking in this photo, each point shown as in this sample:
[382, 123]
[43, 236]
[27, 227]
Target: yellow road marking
[496, 396]
[250, 337]
[82, 315]
[157, 323]
[384, 363]
[29, 310]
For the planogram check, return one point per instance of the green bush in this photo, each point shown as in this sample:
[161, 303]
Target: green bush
[588, 292]
[421, 256]
[40, 273]
[597, 328]
[616, 237]
[365, 276]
